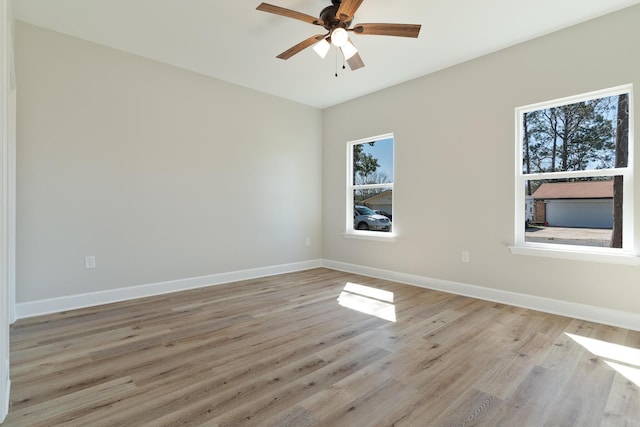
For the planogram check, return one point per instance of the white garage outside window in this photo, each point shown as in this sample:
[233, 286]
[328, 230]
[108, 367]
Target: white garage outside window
[569, 145]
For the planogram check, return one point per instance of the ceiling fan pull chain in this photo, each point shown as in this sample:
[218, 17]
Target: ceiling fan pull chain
[336, 62]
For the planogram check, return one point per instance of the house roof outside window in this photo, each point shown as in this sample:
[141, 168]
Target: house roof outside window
[575, 190]
[383, 197]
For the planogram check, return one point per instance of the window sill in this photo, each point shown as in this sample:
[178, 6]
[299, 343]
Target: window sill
[570, 252]
[371, 235]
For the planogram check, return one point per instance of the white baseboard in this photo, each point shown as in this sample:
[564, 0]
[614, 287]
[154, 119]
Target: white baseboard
[72, 302]
[564, 308]
[590, 313]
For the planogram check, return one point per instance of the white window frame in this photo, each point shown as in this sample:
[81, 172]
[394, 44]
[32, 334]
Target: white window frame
[350, 232]
[628, 254]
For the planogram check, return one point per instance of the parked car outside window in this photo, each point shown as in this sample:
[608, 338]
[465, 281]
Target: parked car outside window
[383, 213]
[366, 219]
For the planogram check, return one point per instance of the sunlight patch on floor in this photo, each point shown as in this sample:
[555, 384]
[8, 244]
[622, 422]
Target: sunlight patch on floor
[632, 374]
[368, 291]
[624, 360]
[368, 300]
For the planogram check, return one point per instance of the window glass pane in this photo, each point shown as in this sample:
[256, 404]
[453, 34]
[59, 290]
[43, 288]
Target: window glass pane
[574, 212]
[373, 162]
[372, 209]
[588, 135]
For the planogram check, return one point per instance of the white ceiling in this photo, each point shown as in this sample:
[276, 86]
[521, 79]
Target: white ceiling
[232, 41]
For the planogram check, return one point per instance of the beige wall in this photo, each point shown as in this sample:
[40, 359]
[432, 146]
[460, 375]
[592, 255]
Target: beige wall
[160, 173]
[454, 170]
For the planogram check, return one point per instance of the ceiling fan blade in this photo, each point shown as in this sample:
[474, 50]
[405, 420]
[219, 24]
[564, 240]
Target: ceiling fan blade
[399, 30]
[355, 62]
[301, 46]
[347, 9]
[265, 7]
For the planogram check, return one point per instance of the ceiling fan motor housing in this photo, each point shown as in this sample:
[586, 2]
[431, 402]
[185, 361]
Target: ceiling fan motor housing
[328, 16]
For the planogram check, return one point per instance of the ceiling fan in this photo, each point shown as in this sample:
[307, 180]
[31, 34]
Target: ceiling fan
[337, 19]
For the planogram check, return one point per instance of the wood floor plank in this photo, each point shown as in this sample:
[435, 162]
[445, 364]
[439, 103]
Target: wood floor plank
[505, 375]
[622, 404]
[586, 393]
[283, 351]
[338, 362]
[41, 414]
[472, 408]
[532, 401]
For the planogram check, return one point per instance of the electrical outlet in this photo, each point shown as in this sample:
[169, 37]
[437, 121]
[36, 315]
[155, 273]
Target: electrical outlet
[308, 241]
[90, 261]
[465, 256]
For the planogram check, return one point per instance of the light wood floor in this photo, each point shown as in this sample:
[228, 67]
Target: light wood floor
[282, 351]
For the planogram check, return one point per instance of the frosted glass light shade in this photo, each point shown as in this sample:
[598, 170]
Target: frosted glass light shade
[348, 50]
[321, 48]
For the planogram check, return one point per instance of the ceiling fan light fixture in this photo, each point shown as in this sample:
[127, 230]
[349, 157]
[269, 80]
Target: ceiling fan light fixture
[348, 50]
[337, 19]
[321, 48]
[339, 37]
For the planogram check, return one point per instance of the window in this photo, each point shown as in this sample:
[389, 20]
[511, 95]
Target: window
[370, 187]
[574, 174]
